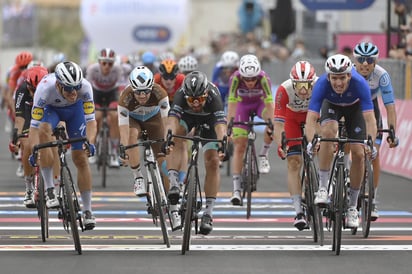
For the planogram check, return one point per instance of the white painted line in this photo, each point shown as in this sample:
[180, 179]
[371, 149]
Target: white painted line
[256, 229]
[205, 248]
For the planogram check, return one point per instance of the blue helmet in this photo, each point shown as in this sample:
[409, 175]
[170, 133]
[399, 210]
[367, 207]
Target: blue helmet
[148, 57]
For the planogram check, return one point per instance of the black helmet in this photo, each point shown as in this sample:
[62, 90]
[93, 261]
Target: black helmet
[195, 84]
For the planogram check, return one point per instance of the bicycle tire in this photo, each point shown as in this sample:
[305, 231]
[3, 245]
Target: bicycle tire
[249, 181]
[70, 206]
[104, 150]
[367, 192]
[42, 210]
[338, 208]
[315, 212]
[190, 188]
[160, 204]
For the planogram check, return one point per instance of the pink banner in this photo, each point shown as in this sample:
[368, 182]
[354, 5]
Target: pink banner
[353, 38]
[398, 161]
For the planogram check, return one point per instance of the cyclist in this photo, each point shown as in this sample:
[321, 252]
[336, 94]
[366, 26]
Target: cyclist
[365, 57]
[143, 105]
[105, 77]
[171, 80]
[197, 102]
[250, 91]
[187, 64]
[344, 93]
[291, 105]
[23, 104]
[228, 63]
[149, 60]
[62, 96]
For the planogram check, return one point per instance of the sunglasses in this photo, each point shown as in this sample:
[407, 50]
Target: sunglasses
[199, 99]
[300, 85]
[249, 79]
[144, 91]
[169, 76]
[369, 60]
[104, 63]
[70, 88]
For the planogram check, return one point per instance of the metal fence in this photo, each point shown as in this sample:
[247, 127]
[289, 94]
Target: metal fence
[399, 70]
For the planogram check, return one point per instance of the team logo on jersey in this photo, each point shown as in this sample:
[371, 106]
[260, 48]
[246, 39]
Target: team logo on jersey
[37, 114]
[88, 107]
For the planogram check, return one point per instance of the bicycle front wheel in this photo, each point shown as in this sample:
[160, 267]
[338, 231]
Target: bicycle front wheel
[338, 198]
[42, 210]
[69, 203]
[159, 204]
[103, 155]
[190, 203]
[316, 214]
[367, 193]
[250, 178]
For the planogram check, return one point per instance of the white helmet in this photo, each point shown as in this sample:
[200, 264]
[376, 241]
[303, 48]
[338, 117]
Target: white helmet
[338, 64]
[187, 64]
[249, 66]
[302, 71]
[69, 74]
[141, 78]
[229, 59]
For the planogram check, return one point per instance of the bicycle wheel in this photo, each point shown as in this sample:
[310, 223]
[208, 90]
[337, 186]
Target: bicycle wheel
[69, 203]
[367, 193]
[315, 212]
[338, 198]
[160, 204]
[190, 204]
[104, 150]
[42, 210]
[249, 181]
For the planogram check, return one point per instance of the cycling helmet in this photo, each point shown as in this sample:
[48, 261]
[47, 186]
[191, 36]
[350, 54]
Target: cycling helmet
[23, 58]
[302, 71]
[338, 64]
[229, 59]
[366, 49]
[141, 78]
[107, 54]
[249, 66]
[168, 69]
[69, 74]
[167, 55]
[148, 57]
[187, 64]
[34, 75]
[195, 84]
[35, 63]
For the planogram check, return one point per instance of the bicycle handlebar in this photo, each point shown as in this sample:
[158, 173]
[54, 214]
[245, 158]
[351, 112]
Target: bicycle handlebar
[249, 124]
[391, 133]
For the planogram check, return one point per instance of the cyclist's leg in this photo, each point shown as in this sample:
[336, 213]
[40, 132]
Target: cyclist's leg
[139, 186]
[265, 111]
[113, 122]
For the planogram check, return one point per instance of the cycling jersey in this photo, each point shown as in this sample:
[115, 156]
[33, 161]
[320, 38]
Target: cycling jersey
[356, 92]
[178, 83]
[222, 84]
[129, 107]
[23, 105]
[379, 80]
[104, 83]
[239, 92]
[50, 106]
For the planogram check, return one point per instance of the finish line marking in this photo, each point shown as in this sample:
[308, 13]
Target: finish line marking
[20, 248]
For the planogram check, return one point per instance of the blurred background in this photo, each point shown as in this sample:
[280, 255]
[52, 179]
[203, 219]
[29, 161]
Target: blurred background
[278, 32]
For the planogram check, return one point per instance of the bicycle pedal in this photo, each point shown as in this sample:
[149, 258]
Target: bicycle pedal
[89, 227]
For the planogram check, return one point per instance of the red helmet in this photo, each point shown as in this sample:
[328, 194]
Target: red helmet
[34, 75]
[23, 58]
[302, 71]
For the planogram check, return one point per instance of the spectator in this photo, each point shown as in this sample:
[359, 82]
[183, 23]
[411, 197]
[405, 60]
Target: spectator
[250, 16]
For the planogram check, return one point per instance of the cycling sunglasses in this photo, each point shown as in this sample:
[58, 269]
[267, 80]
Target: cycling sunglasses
[300, 85]
[369, 60]
[192, 99]
[140, 91]
[105, 63]
[70, 88]
[249, 79]
[169, 76]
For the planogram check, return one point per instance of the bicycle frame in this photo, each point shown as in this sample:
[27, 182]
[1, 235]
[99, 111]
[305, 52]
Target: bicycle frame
[157, 200]
[69, 205]
[250, 170]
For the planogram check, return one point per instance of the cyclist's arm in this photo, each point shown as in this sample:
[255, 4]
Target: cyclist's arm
[370, 122]
[281, 101]
[311, 124]
[221, 130]
[123, 117]
[388, 98]
[232, 99]
[391, 115]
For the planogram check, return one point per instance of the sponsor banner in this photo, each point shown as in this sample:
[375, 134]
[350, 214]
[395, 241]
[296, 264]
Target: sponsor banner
[398, 161]
[134, 25]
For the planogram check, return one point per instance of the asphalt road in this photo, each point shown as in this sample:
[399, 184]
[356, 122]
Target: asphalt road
[126, 241]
